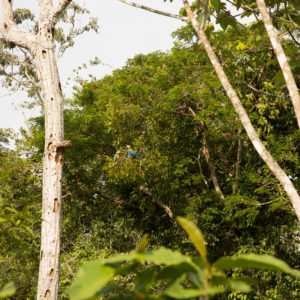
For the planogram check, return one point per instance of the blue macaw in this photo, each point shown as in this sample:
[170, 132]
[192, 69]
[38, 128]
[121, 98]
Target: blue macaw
[131, 152]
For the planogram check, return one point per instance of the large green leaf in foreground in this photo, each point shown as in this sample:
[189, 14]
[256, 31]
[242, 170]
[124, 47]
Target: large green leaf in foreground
[8, 290]
[256, 261]
[91, 278]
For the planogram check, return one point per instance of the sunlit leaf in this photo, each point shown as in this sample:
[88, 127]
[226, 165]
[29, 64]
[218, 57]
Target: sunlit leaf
[142, 245]
[195, 235]
[256, 261]
[8, 290]
[91, 278]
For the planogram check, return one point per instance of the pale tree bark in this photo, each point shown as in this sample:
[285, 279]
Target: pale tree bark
[281, 57]
[163, 206]
[277, 171]
[243, 116]
[41, 46]
[154, 10]
[212, 169]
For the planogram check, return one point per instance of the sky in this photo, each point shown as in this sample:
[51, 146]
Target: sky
[124, 32]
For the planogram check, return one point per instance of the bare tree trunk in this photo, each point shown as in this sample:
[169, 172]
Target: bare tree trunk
[243, 116]
[281, 57]
[41, 46]
[52, 174]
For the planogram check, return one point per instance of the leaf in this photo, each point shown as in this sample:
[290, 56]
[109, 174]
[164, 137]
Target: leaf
[3, 220]
[8, 290]
[239, 285]
[144, 280]
[296, 4]
[256, 261]
[171, 273]
[167, 257]
[142, 245]
[240, 46]
[195, 235]
[225, 20]
[176, 291]
[91, 278]
[215, 4]
[121, 258]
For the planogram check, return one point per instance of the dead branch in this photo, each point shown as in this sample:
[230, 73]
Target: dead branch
[150, 9]
[163, 206]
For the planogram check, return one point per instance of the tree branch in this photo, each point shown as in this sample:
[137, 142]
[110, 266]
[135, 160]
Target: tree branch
[8, 18]
[272, 164]
[212, 168]
[205, 13]
[238, 163]
[59, 9]
[281, 57]
[10, 32]
[46, 7]
[165, 208]
[206, 152]
[159, 12]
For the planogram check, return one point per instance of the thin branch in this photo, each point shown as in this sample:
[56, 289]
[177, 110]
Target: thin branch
[206, 152]
[205, 13]
[212, 168]
[165, 208]
[293, 38]
[263, 92]
[154, 10]
[238, 163]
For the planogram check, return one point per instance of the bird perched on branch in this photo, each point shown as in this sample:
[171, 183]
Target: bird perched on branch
[118, 155]
[131, 152]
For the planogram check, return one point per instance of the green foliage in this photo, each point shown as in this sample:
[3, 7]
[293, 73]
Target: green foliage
[171, 275]
[168, 107]
[19, 218]
[8, 290]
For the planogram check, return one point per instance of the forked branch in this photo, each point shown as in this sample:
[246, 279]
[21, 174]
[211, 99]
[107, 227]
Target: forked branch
[10, 32]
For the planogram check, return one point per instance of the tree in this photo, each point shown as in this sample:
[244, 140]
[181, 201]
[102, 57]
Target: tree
[199, 27]
[20, 193]
[40, 45]
[147, 104]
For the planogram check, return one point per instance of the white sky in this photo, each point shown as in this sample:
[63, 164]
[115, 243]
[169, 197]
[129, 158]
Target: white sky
[124, 32]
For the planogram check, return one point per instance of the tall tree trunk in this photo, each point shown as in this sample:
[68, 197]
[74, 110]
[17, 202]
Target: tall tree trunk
[52, 169]
[41, 46]
[243, 116]
[281, 57]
